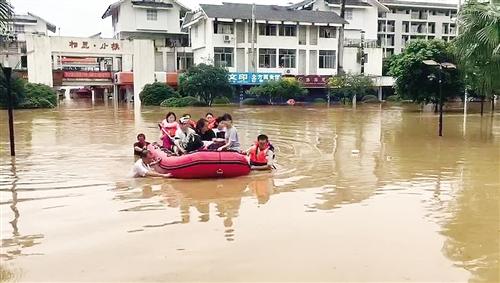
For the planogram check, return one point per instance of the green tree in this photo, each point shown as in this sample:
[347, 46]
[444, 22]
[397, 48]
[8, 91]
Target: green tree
[419, 82]
[6, 12]
[344, 87]
[17, 89]
[279, 90]
[206, 82]
[39, 96]
[478, 46]
[156, 93]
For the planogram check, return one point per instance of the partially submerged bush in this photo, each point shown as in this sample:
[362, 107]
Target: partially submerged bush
[221, 101]
[38, 96]
[319, 101]
[370, 99]
[156, 93]
[393, 98]
[254, 101]
[182, 102]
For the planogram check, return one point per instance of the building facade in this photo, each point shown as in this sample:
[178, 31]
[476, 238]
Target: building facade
[408, 21]
[286, 40]
[13, 47]
[157, 20]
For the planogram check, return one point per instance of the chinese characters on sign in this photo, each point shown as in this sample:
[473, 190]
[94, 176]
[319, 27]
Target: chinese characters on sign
[313, 81]
[252, 78]
[86, 45]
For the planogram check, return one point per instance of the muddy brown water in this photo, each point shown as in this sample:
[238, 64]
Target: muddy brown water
[408, 207]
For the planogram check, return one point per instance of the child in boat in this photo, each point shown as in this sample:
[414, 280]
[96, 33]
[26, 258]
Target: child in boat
[232, 142]
[261, 154]
[140, 145]
[168, 128]
[211, 120]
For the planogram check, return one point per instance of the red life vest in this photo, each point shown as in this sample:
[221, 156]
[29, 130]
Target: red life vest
[258, 157]
[169, 128]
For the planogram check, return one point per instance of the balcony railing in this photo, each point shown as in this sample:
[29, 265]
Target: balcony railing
[372, 43]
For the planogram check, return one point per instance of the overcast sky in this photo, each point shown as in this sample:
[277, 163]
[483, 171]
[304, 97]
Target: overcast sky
[83, 17]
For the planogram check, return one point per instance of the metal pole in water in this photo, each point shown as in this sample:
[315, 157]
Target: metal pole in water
[10, 105]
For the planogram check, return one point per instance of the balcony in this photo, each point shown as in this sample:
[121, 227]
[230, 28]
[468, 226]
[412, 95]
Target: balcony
[355, 42]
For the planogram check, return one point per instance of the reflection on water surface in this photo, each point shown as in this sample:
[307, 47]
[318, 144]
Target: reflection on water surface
[408, 207]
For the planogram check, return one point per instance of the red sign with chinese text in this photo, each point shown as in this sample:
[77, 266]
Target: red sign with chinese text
[87, 75]
[313, 81]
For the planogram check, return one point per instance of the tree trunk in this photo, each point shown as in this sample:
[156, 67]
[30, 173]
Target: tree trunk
[441, 119]
[492, 105]
[482, 105]
[436, 107]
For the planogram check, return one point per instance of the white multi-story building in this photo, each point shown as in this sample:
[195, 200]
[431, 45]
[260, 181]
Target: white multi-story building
[361, 15]
[13, 49]
[408, 21]
[287, 40]
[158, 20]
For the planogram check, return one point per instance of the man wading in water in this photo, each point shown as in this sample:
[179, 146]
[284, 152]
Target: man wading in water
[142, 167]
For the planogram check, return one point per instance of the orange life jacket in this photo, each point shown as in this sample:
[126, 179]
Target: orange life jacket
[258, 157]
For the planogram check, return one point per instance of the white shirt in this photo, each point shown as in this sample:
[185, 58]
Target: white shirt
[182, 138]
[140, 169]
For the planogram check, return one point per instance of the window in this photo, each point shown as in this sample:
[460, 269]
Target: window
[288, 30]
[267, 58]
[327, 32]
[327, 59]
[151, 15]
[223, 28]
[18, 29]
[348, 14]
[223, 56]
[287, 58]
[267, 30]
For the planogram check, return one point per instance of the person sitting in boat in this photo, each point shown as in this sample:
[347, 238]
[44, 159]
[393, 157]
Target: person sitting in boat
[261, 154]
[211, 120]
[168, 128]
[203, 130]
[219, 129]
[142, 167]
[192, 123]
[140, 145]
[232, 142]
[186, 139]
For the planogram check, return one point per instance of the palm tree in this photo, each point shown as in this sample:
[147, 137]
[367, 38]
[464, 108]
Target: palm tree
[6, 12]
[478, 44]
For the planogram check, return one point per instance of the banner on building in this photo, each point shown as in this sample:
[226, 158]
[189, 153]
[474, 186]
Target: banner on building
[252, 78]
[313, 81]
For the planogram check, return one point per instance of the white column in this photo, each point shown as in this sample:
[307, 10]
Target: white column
[93, 96]
[165, 60]
[307, 49]
[144, 64]
[380, 94]
[39, 58]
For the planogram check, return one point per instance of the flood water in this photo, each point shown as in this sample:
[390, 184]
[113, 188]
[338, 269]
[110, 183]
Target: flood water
[408, 207]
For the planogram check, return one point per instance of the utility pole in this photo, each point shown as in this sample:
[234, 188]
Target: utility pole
[340, 63]
[362, 59]
[10, 105]
[254, 66]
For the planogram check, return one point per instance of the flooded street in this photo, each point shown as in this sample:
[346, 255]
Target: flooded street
[410, 206]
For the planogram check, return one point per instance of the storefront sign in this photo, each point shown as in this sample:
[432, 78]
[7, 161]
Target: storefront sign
[313, 81]
[252, 78]
[87, 75]
[73, 44]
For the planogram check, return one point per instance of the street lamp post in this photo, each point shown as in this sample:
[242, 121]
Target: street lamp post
[441, 66]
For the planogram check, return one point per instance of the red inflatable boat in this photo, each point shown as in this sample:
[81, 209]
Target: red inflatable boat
[203, 164]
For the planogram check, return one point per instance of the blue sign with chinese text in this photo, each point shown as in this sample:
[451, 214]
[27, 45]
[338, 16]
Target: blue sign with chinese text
[252, 78]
